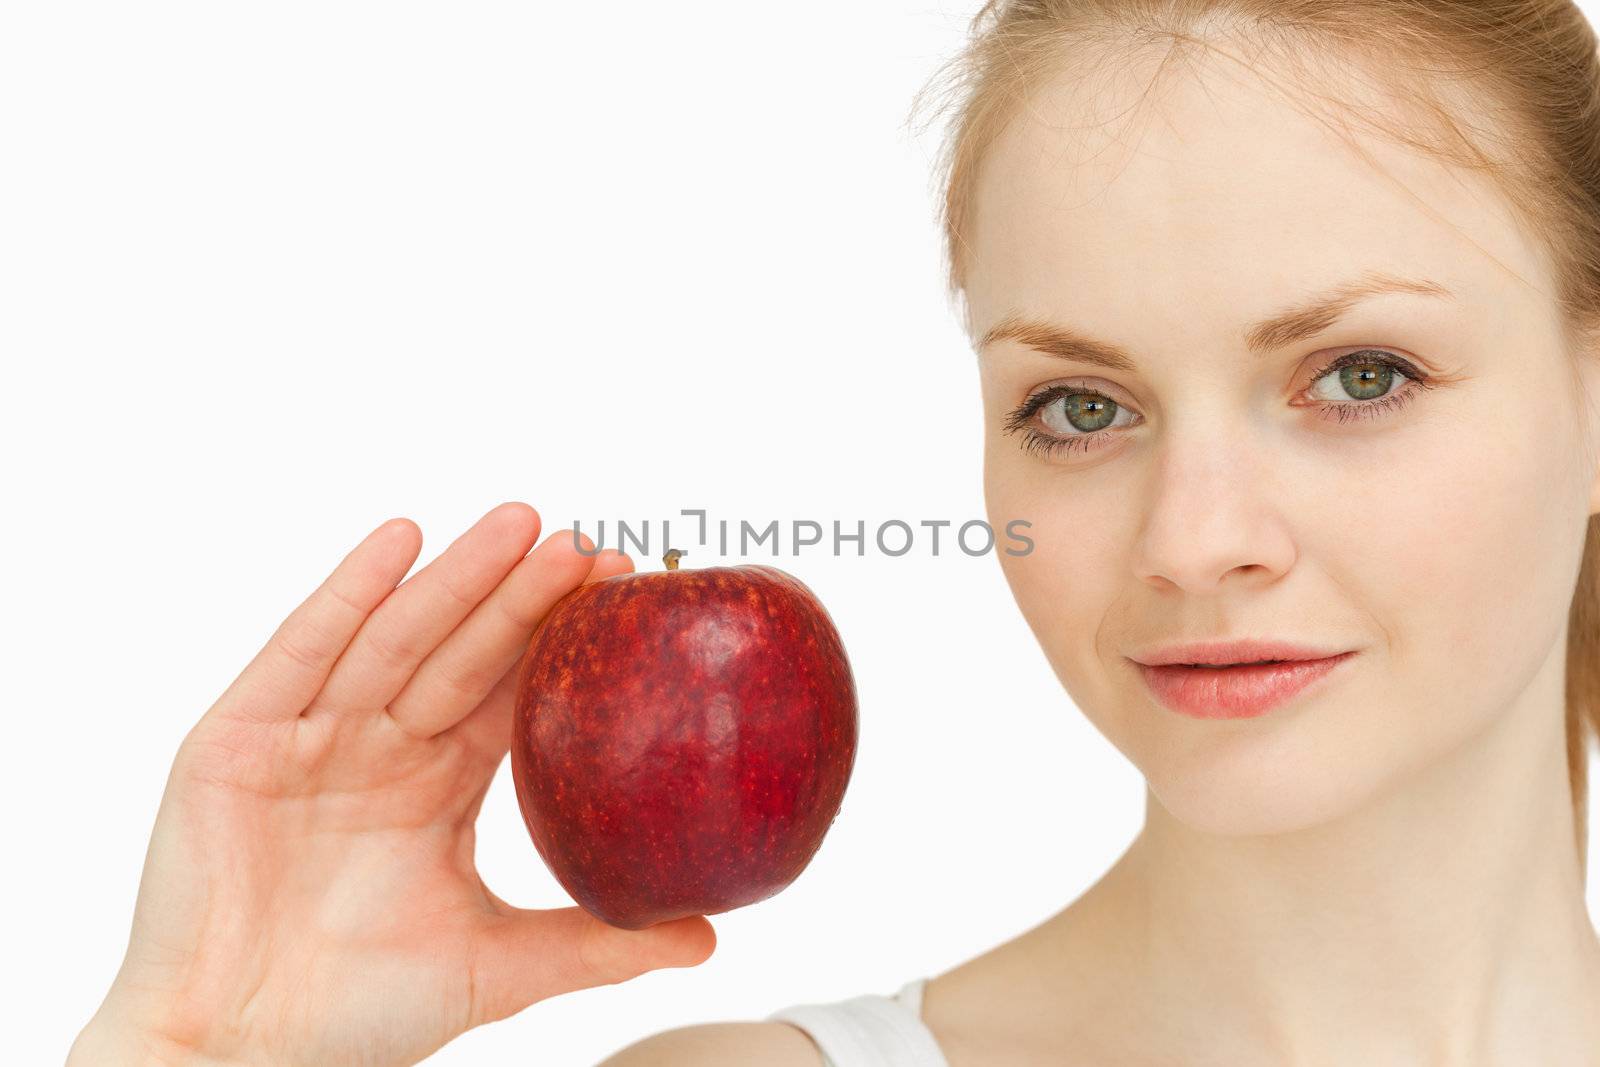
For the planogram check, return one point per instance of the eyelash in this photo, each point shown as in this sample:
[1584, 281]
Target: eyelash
[1049, 444]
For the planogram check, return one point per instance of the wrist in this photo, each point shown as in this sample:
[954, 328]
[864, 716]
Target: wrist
[116, 1038]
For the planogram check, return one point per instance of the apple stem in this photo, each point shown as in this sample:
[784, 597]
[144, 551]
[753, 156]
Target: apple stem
[671, 558]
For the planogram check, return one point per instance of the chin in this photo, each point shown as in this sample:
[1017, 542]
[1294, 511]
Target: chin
[1253, 777]
[1234, 801]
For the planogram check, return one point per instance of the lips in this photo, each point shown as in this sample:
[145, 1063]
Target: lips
[1235, 692]
[1228, 652]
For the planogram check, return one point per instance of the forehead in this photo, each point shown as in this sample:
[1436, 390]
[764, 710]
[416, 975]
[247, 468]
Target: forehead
[1210, 198]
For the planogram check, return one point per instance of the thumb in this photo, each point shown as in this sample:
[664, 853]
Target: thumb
[528, 955]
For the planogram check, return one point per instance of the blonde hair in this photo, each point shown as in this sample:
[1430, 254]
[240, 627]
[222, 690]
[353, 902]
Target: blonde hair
[1524, 72]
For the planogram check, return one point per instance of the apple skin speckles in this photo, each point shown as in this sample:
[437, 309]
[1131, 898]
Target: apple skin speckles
[682, 739]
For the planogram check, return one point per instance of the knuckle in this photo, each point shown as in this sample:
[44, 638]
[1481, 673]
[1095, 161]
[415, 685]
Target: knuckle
[463, 681]
[523, 616]
[596, 957]
[451, 584]
[439, 685]
[340, 597]
[392, 649]
[304, 646]
[310, 642]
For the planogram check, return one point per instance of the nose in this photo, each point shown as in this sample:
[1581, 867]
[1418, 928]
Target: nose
[1213, 511]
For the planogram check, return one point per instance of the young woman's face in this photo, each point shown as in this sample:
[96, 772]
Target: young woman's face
[1230, 488]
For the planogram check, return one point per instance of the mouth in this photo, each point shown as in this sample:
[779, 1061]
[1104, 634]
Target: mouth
[1236, 690]
[1235, 652]
[1226, 666]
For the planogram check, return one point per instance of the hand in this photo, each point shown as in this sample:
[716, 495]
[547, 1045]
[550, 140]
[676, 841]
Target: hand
[309, 895]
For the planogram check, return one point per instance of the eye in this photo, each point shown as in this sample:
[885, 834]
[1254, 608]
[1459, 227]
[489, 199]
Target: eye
[1366, 384]
[1362, 384]
[1077, 419]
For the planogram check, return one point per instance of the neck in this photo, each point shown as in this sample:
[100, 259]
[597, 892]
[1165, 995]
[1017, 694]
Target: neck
[1441, 922]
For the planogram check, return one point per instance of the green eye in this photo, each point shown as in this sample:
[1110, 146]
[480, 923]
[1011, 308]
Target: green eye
[1361, 378]
[1079, 412]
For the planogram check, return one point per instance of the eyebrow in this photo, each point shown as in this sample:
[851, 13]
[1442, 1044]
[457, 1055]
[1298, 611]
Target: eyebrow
[1297, 323]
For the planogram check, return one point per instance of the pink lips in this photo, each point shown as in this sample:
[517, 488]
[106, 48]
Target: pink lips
[1235, 692]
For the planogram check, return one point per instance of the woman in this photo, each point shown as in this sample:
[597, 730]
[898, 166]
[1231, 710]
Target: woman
[1288, 319]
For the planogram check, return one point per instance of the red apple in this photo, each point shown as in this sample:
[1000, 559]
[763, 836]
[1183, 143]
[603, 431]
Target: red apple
[682, 739]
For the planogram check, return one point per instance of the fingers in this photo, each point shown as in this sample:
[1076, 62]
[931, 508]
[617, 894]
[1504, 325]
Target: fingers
[458, 674]
[415, 618]
[486, 725]
[607, 563]
[530, 955]
[295, 662]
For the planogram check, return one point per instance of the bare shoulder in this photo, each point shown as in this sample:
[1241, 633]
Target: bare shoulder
[772, 1044]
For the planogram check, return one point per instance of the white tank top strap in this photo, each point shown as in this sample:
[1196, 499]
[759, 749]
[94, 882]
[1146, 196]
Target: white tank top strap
[870, 1030]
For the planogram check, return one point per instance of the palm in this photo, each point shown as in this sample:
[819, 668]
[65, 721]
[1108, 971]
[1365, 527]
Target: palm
[310, 893]
[340, 861]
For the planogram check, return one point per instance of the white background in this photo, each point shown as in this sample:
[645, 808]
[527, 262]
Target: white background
[274, 273]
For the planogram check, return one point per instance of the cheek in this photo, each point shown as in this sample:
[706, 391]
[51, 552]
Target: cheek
[1066, 585]
[1465, 555]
